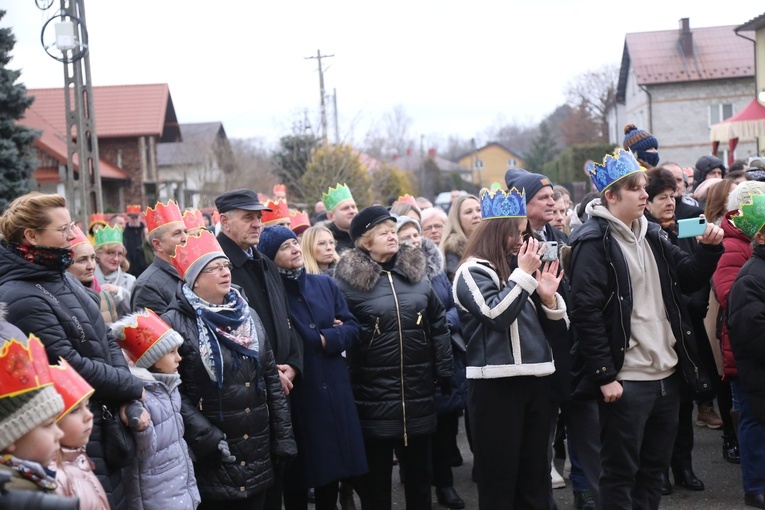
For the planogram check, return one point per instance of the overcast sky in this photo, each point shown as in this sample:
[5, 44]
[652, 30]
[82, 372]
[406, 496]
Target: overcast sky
[457, 68]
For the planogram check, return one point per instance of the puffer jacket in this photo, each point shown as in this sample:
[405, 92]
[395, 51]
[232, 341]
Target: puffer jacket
[75, 479]
[746, 330]
[509, 330]
[738, 249]
[251, 410]
[404, 343]
[155, 288]
[601, 306]
[54, 306]
[161, 475]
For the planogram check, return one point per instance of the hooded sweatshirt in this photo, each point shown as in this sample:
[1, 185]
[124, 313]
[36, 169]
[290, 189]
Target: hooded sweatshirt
[650, 355]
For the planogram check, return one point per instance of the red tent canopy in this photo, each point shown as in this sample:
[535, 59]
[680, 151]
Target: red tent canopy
[748, 123]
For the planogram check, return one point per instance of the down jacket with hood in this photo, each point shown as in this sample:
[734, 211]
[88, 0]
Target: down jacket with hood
[251, 410]
[53, 305]
[161, 474]
[404, 343]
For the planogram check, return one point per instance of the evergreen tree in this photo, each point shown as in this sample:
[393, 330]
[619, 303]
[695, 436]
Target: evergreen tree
[543, 149]
[291, 161]
[17, 160]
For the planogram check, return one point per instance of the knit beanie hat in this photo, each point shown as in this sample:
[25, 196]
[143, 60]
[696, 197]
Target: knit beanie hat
[638, 140]
[525, 180]
[271, 238]
[406, 220]
[145, 337]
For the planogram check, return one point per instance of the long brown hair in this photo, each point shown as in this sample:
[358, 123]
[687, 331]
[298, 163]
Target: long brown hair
[717, 200]
[489, 242]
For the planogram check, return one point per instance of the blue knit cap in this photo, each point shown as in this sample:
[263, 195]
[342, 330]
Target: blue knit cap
[638, 140]
[272, 238]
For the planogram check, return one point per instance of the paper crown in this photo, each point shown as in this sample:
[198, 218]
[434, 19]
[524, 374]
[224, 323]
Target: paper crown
[97, 219]
[133, 209]
[196, 247]
[280, 190]
[279, 211]
[139, 332]
[503, 204]
[79, 237]
[108, 235]
[70, 385]
[299, 221]
[751, 216]
[614, 167]
[23, 367]
[162, 214]
[407, 199]
[335, 195]
[193, 219]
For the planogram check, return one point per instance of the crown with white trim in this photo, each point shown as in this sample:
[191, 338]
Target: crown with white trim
[614, 167]
[503, 204]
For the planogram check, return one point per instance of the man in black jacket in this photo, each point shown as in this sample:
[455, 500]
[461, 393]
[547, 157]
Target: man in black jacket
[240, 219]
[155, 288]
[635, 341]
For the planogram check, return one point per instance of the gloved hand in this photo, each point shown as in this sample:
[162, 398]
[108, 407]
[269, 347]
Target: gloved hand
[445, 383]
[225, 452]
[133, 413]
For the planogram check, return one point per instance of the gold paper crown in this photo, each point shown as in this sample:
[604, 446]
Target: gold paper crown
[162, 214]
[335, 195]
[70, 385]
[195, 248]
[23, 368]
[407, 199]
[279, 211]
[108, 235]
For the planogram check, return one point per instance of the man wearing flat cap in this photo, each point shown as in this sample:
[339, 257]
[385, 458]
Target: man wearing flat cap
[241, 225]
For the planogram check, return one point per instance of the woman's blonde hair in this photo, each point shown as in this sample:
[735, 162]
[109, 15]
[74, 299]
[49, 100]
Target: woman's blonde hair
[365, 240]
[28, 211]
[454, 238]
[308, 242]
[403, 209]
[125, 264]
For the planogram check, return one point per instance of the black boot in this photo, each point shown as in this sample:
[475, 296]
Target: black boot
[449, 498]
[666, 485]
[685, 477]
[730, 450]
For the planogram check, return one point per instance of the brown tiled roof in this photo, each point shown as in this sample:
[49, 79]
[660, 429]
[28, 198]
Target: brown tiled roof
[120, 111]
[755, 23]
[718, 52]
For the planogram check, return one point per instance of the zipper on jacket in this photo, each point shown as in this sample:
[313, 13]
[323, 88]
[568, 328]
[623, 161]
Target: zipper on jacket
[376, 332]
[401, 353]
[419, 318]
[618, 290]
[201, 399]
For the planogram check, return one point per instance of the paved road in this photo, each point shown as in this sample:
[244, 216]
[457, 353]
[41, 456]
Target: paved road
[722, 480]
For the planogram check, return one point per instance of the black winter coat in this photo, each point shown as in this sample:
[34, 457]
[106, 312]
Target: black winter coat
[601, 303]
[746, 330]
[155, 288]
[404, 343]
[263, 289]
[342, 238]
[54, 306]
[250, 409]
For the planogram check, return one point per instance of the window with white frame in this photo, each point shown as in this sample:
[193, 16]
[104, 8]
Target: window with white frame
[719, 112]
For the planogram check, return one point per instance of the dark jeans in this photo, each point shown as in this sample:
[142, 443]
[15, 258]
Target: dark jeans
[583, 433]
[256, 502]
[273, 500]
[637, 434]
[682, 451]
[751, 443]
[326, 497]
[510, 424]
[443, 442]
[374, 488]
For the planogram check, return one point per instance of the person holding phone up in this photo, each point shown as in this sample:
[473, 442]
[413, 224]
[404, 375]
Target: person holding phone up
[636, 348]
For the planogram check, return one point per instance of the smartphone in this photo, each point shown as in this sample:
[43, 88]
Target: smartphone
[691, 227]
[551, 251]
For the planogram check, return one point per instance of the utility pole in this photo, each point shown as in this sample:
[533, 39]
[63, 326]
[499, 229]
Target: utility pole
[319, 56]
[337, 128]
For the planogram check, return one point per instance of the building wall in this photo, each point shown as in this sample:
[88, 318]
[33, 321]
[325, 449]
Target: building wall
[496, 161]
[125, 153]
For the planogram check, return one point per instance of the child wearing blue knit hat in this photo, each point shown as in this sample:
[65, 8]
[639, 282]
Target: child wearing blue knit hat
[643, 145]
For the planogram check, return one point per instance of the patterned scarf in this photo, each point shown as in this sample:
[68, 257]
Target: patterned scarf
[32, 471]
[230, 325]
[53, 258]
[291, 274]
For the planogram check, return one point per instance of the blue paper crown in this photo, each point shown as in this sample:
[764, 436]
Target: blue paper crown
[503, 204]
[614, 167]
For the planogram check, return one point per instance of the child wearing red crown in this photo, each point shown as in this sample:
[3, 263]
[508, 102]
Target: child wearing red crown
[162, 475]
[74, 469]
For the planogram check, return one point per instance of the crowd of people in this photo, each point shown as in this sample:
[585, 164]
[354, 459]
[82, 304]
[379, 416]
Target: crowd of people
[256, 358]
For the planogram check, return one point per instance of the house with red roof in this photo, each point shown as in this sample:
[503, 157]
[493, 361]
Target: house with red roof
[677, 83]
[130, 121]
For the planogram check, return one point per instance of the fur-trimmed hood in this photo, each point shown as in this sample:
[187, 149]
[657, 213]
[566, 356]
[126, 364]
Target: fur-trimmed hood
[357, 269]
[455, 243]
[435, 260]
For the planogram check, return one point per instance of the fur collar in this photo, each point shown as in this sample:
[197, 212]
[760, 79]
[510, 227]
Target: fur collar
[434, 258]
[359, 271]
[455, 243]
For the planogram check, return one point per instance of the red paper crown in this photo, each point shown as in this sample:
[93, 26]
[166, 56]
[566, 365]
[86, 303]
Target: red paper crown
[70, 385]
[79, 237]
[299, 222]
[134, 209]
[279, 211]
[23, 368]
[193, 219]
[97, 219]
[142, 330]
[407, 199]
[196, 246]
[162, 214]
[280, 188]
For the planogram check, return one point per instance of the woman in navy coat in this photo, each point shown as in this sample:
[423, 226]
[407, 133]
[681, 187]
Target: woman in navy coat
[324, 416]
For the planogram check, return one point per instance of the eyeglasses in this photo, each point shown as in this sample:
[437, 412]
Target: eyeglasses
[324, 244]
[436, 226]
[218, 269]
[64, 231]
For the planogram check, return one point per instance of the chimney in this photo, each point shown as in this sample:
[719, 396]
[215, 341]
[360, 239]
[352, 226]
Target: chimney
[686, 37]
[431, 153]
